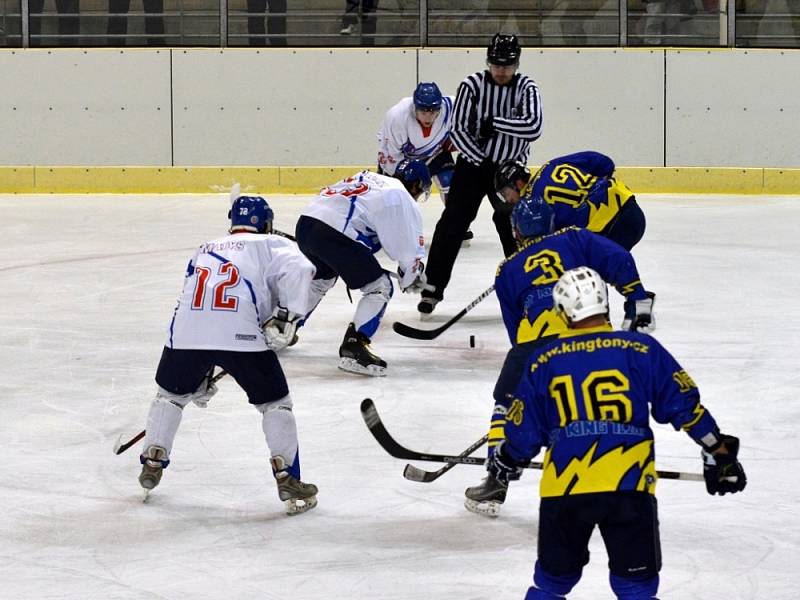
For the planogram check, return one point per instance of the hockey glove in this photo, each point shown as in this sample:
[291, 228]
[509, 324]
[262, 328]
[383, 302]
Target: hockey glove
[639, 314]
[413, 280]
[280, 329]
[502, 468]
[722, 472]
[204, 393]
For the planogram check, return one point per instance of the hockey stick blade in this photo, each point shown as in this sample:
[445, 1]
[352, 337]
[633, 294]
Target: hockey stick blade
[413, 473]
[429, 334]
[388, 443]
[119, 447]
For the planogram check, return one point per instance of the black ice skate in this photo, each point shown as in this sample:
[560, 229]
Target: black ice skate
[426, 306]
[486, 497]
[465, 241]
[356, 356]
[153, 460]
[296, 495]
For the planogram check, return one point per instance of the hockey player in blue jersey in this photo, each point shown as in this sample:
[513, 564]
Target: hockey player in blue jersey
[582, 190]
[524, 285]
[586, 397]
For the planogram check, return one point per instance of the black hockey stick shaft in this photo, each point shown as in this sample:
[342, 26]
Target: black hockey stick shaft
[429, 334]
[283, 234]
[382, 436]
[413, 473]
[120, 448]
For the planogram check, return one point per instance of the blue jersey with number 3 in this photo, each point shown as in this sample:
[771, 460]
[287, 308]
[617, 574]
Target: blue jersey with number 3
[524, 281]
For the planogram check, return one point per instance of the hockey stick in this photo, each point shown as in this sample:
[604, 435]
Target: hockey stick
[119, 447]
[416, 474]
[382, 436]
[283, 234]
[429, 334]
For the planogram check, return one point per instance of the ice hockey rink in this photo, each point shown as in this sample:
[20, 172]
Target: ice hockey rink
[87, 287]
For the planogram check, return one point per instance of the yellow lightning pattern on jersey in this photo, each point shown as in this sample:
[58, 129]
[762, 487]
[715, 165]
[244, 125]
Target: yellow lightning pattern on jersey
[591, 473]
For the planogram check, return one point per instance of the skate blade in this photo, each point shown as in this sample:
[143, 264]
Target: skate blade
[351, 365]
[145, 496]
[486, 508]
[296, 506]
[466, 243]
[425, 316]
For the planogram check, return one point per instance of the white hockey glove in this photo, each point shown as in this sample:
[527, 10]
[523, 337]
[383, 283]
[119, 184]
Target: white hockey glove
[204, 393]
[413, 280]
[639, 314]
[281, 328]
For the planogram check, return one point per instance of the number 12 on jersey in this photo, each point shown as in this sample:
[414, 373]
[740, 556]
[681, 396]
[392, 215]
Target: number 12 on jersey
[220, 299]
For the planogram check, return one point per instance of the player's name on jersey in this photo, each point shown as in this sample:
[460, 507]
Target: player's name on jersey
[222, 246]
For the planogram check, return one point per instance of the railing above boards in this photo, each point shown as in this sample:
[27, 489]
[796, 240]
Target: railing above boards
[311, 23]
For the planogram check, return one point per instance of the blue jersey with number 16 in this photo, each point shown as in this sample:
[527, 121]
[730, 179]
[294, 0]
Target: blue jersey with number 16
[587, 397]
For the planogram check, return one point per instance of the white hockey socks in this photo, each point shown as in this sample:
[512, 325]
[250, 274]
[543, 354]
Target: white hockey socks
[373, 302]
[280, 428]
[164, 418]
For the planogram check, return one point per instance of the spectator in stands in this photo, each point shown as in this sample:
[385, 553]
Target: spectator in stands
[363, 10]
[153, 22]
[69, 24]
[276, 22]
[663, 20]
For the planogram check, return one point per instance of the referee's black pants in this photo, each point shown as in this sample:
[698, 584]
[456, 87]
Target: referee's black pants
[470, 184]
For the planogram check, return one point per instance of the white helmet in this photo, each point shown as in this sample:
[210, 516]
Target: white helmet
[580, 293]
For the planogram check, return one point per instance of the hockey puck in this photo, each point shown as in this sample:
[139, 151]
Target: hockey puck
[472, 341]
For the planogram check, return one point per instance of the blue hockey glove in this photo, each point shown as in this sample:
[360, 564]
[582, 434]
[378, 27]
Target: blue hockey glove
[501, 467]
[639, 314]
[722, 472]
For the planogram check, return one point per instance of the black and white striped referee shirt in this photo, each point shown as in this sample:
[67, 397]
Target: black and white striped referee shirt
[516, 110]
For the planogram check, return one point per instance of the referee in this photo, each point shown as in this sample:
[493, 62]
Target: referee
[497, 114]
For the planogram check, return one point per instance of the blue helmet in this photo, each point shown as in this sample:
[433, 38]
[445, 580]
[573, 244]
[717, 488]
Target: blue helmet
[411, 171]
[251, 213]
[427, 97]
[532, 217]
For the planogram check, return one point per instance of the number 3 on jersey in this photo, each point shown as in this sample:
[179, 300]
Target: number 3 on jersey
[548, 262]
[220, 300]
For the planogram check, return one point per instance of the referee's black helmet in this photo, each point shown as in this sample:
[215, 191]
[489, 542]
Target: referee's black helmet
[504, 50]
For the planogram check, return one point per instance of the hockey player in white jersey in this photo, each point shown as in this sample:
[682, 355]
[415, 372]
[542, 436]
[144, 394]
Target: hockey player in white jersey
[342, 229]
[418, 128]
[242, 297]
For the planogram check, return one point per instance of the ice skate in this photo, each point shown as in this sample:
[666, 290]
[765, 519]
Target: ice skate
[298, 497]
[356, 356]
[153, 460]
[348, 30]
[426, 306]
[487, 497]
[467, 239]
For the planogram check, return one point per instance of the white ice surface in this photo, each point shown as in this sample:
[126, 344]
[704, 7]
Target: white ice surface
[87, 286]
